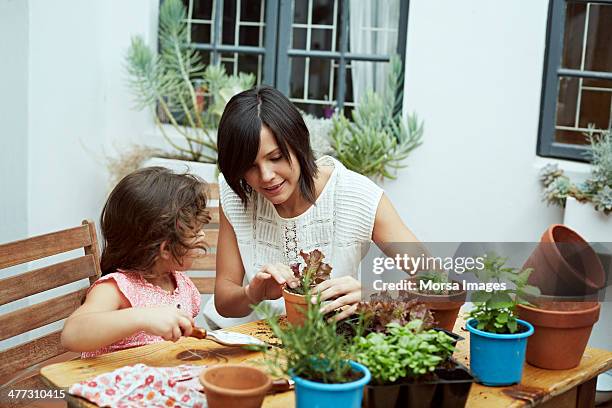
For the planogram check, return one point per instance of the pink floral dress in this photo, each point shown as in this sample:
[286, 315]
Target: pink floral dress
[141, 293]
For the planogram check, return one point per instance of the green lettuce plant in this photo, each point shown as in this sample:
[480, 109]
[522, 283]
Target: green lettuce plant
[597, 189]
[377, 140]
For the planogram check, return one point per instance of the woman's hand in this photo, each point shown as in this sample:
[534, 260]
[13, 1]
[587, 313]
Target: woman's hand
[268, 283]
[345, 291]
[166, 321]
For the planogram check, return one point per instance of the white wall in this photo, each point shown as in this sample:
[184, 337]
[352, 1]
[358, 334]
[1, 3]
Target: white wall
[14, 119]
[80, 107]
[474, 74]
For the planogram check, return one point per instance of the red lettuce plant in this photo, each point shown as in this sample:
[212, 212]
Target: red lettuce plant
[313, 272]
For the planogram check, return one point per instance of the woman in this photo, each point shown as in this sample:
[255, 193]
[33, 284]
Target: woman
[276, 200]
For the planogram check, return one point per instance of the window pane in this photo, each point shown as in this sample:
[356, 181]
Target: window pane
[300, 11]
[299, 38]
[321, 39]
[575, 18]
[229, 22]
[296, 87]
[319, 78]
[250, 36]
[579, 106]
[251, 10]
[202, 9]
[252, 64]
[229, 62]
[323, 12]
[599, 40]
[201, 33]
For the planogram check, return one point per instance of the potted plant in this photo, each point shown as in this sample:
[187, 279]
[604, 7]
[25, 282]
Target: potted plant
[233, 385]
[498, 339]
[313, 272]
[316, 358]
[411, 366]
[377, 140]
[186, 97]
[587, 204]
[444, 303]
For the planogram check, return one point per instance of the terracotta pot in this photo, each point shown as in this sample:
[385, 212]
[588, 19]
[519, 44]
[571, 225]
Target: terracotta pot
[235, 385]
[562, 330]
[565, 264]
[444, 308]
[296, 307]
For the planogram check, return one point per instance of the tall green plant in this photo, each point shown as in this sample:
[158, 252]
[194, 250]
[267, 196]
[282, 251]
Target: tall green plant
[168, 82]
[377, 140]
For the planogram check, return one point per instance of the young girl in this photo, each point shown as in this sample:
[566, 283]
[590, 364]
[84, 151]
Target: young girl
[152, 227]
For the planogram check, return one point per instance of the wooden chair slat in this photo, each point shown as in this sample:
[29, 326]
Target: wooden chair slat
[36, 351]
[214, 215]
[212, 236]
[93, 250]
[38, 315]
[18, 252]
[49, 277]
[204, 285]
[207, 262]
[213, 191]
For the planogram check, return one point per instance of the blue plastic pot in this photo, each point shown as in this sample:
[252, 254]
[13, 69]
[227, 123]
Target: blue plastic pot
[312, 394]
[497, 359]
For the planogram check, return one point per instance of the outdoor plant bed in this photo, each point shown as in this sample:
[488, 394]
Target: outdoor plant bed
[498, 340]
[562, 331]
[313, 272]
[444, 305]
[447, 387]
[238, 385]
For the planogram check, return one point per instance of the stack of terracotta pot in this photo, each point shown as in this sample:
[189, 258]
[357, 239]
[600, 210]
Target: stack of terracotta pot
[569, 274]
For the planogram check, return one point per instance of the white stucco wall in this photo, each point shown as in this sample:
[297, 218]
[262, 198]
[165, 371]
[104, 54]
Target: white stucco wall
[474, 74]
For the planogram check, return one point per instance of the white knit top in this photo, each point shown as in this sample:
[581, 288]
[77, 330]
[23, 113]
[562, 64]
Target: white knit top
[340, 224]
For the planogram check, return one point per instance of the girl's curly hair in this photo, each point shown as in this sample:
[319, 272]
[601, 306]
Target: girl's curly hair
[146, 208]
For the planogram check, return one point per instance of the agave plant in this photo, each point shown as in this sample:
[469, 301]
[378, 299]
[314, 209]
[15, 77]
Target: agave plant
[377, 140]
[174, 82]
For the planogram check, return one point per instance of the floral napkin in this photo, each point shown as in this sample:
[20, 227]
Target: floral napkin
[143, 386]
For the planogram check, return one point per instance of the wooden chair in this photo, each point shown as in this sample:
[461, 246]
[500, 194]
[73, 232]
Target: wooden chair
[203, 270]
[21, 364]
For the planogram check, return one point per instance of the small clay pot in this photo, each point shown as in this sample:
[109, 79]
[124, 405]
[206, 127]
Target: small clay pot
[235, 385]
[296, 307]
[444, 308]
[565, 264]
[562, 330]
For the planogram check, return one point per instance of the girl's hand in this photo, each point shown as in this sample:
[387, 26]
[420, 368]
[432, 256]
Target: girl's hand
[268, 283]
[166, 321]
[345, 291]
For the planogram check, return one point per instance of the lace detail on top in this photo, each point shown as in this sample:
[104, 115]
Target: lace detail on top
[142, 293]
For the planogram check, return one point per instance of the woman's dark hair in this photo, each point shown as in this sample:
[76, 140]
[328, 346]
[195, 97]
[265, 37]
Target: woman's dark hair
[239, 135]
[146, 208]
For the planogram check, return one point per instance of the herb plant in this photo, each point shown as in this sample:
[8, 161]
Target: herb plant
[312, 351]
[597, 189]
[313, 272]
[495, 311]
[407, 351]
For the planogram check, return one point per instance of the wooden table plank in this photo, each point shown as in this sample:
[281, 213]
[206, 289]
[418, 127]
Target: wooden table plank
[550, 383]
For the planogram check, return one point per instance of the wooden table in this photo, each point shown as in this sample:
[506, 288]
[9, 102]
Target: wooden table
[558, 388]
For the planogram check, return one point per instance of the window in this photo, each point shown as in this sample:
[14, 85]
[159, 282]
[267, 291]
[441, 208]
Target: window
[577, 86]
[320, 53]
